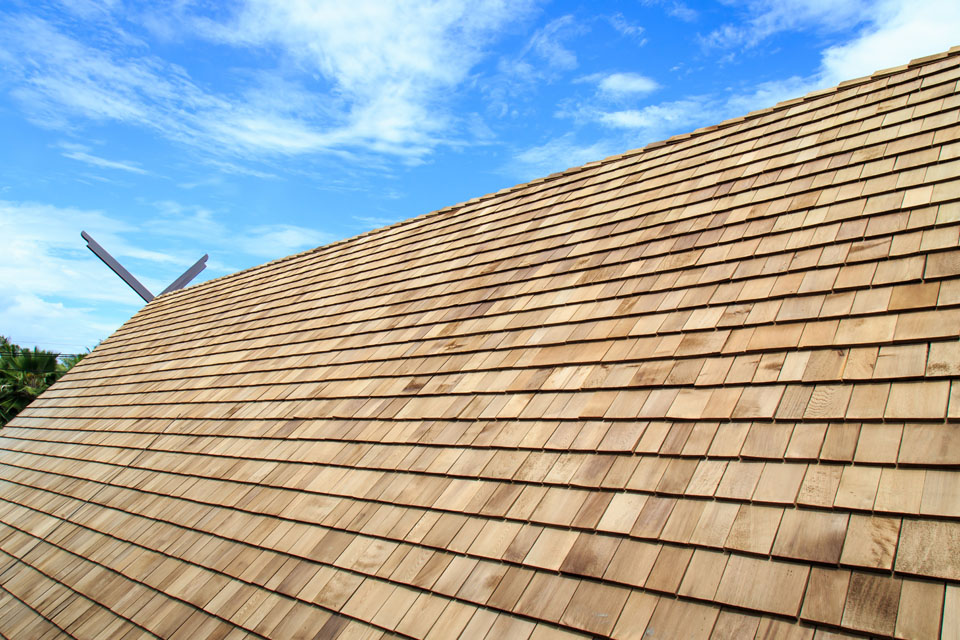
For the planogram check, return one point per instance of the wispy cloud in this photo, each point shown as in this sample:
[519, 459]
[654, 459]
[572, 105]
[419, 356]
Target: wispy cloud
[50, 280]
[208, 229]
[90, 8]
[656, 119]
[374, 222]
[619, 85]
[82, 153]
[894, 33]
[674, 8]
[391, 66]
[370, 77]
[545, 54]
[558, 154]
[29, 320]
[54, 292]
[548, 43]
[617, 104]
[61, 80]
[626, 28]
[682, 11]
[240, 170]
[272, 241]
[544, 59]
[622, 128]
[890, 32]
[764, 18]
[52, 288]
[898, 30]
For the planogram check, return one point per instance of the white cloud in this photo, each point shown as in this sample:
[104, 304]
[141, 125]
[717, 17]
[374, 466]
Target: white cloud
[654, 118]
[208, 232]
[682, 11]
[47, 257]
[557, 155]
[547, 42]
[277, 240]
[365, 77]
[89, 8]
[391, 65]
[767, 94]
[53, 289]
[896, 32]
[29, 320]
[625, 27]
[82, 154]
[632, 128]
[543, 60]
[544, 57]
[60, 79]
[899, 31]
[636, 127]
[374, 222]
[676, 9]
[627, 118]
[230, 167]
[765, 18]
[889, 32]
[623, 84]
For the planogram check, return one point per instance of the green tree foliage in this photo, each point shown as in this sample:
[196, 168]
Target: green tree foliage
[25, 374]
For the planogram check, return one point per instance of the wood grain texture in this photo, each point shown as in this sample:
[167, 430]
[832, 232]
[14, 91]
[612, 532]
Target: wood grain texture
[708, 388]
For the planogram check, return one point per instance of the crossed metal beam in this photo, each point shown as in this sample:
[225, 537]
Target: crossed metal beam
[135, 284]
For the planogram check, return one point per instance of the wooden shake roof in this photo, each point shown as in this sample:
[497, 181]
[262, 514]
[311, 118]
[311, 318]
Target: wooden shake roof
[706, 389]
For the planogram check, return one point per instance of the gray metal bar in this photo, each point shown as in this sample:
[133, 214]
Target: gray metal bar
[117, 268]
[187, 276]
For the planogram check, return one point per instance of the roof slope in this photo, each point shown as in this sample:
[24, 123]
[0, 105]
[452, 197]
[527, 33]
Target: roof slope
[710, 388]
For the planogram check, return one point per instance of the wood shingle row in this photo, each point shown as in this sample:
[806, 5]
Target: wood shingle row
[706, 389]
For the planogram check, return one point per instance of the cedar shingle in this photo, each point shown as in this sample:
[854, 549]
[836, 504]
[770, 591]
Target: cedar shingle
[670, 393]
[763, 585]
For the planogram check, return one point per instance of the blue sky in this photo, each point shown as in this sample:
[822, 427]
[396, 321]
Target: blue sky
[254, 129]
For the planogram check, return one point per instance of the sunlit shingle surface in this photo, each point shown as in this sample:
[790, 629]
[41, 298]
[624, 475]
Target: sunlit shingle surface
[707, 389]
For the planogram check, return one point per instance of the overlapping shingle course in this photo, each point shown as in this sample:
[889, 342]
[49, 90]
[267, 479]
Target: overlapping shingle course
[707, 389]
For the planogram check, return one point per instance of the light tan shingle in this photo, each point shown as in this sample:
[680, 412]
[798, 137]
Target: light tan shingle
[710, 388]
